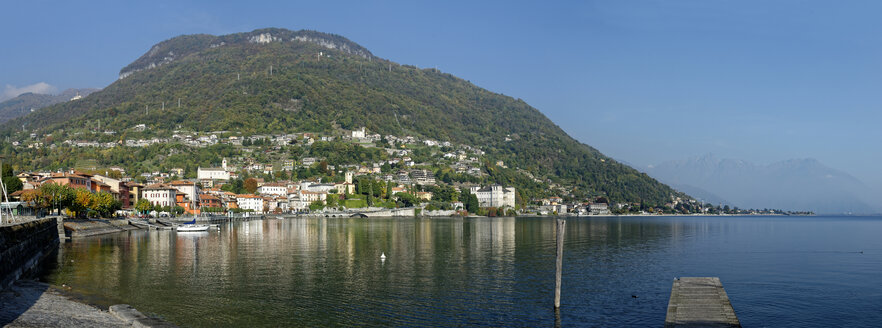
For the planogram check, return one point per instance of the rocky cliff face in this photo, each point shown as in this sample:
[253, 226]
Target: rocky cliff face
[182, 46]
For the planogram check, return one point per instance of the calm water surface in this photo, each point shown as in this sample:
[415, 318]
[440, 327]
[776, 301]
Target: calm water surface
[778, 271]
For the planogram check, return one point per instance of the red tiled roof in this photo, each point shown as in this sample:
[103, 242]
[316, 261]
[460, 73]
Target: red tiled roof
[159, 186]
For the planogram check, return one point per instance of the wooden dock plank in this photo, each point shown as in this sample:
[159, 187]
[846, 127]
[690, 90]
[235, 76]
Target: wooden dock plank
[700, 302]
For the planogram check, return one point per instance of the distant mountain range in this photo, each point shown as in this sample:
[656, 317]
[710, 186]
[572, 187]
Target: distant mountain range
[796, 184]
[27, 102]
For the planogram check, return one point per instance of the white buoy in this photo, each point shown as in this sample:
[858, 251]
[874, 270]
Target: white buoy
[383, 256]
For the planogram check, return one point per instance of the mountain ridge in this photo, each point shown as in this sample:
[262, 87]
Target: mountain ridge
[164, 52]
[274, 80]
[24, 103]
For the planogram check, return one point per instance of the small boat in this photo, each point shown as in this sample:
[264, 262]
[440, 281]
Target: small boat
[192, 226]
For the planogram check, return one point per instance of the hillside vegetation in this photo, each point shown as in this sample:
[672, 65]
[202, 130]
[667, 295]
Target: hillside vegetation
[308, 81]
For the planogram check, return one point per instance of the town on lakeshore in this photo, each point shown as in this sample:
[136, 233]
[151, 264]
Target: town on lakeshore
[350, 171]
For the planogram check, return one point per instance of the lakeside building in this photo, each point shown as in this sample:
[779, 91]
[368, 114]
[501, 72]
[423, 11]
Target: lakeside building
[250, 202]
[210, 174]
[69, 179]
[135, 192]
[118, 188]
[494, 196]
[189, 189]
[160, 194]
[599, 208]
[278, 189]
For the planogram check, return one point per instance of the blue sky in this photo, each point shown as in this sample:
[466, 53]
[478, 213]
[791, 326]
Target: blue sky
[642, 81]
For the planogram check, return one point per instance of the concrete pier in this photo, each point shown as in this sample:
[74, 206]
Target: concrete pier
[700, 302]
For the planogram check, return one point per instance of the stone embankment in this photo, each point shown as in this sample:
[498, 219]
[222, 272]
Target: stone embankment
[87, 228]
[23, 246]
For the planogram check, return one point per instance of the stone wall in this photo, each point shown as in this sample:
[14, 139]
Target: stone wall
[23, 245]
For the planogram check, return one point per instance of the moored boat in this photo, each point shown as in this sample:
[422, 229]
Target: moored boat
[192, 227]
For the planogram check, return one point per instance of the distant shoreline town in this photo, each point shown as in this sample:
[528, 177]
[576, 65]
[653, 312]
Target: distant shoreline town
[278, 174]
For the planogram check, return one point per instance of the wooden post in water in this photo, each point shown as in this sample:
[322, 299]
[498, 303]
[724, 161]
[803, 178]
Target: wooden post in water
[561, 230]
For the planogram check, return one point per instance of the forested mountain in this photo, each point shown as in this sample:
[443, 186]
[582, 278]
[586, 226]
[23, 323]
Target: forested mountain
[279, 81]
[24, 103]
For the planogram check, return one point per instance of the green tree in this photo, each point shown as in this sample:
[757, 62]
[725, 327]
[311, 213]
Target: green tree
[103, 203]
[10, 181]
[12, 184]
[56, 196]
[235, 186]
[471, 204]
[143, 206]
[316, 205]
[406, 200]
[332, 200]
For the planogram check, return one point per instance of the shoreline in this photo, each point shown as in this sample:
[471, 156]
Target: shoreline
[30, 303]
[88, 228]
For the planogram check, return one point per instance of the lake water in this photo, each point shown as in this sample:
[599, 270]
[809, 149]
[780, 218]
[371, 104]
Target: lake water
[778, 271]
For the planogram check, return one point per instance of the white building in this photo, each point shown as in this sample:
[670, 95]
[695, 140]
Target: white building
[423, 177]
[187, 188]
[160, 194]
[273, 189]
[306, 197]
[599, 209]
[250, 202]
[212, 173]
[358, 134]
[494, 196]
[317, 187]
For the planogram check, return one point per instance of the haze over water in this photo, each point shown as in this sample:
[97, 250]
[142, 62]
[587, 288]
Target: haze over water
[778, 271]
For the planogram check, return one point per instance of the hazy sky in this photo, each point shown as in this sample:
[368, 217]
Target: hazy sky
[642, 81]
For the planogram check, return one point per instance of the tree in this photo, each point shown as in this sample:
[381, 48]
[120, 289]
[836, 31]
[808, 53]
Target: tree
[235, 186]
[377, 188]
[35, 197]
[388, 191]
[103, 203]
[56, 196]
[405, 199]
[82, 201]
[472, 204]
[250, 185]
[143, 206]
[316, 205]
[332, 200]
[11, 182]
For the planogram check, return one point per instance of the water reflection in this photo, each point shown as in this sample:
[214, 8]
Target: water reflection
[448, 272]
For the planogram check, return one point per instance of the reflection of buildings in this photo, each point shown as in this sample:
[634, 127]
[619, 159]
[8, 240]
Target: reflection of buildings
[494, 234]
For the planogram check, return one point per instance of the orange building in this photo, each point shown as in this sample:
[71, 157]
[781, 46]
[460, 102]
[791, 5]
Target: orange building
[182, 201]
[69, 179]
[208, 200]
